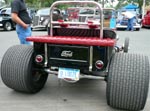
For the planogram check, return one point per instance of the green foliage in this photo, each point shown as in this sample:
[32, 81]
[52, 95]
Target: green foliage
[40, 3]
[7, 2]
[47, 3]
[35, 3]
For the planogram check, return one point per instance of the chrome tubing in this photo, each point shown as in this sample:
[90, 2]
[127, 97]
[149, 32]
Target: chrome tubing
[77, 2]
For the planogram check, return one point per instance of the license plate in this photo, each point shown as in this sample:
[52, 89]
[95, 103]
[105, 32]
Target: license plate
[68, 73]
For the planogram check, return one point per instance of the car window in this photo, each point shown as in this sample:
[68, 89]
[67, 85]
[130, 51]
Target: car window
[86, 11]
[3, 11]
[43, 12]
[107, 14]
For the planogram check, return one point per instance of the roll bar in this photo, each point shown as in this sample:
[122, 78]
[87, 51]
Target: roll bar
[77, 2]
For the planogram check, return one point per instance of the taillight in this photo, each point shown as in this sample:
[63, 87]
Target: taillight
[39, 58]
[99, 64]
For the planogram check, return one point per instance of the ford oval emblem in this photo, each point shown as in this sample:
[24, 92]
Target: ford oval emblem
[67, 53]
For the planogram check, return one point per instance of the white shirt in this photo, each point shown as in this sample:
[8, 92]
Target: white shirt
[128, 15]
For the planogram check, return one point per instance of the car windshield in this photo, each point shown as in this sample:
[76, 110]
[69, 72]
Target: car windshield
[86, 11]
[107, 14]
[43, 12]
[6, 11]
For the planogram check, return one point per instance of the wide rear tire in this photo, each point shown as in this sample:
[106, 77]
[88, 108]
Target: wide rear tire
[128, 81]
[18, 71]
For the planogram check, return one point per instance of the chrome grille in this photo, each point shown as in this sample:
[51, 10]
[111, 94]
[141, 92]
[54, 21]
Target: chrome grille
[36, 20]
[82, 18]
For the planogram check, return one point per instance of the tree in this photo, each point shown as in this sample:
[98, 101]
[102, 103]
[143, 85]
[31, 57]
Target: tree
[40, 3]
[35, 3]
[7, 2]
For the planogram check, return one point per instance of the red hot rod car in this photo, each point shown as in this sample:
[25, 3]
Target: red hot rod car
[73, 50]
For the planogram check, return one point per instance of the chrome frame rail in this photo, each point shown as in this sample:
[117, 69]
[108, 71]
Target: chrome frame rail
[46, 55]
[91, 58]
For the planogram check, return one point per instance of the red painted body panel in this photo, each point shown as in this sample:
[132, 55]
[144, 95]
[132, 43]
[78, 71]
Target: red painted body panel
[146, 20]
[89, 41]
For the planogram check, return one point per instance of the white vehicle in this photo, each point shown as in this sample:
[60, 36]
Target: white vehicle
[123, 22]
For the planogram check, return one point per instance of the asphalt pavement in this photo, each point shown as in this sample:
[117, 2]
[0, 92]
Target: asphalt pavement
[58, 95]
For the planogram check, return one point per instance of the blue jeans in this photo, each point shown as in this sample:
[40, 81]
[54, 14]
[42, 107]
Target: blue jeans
[130, 24]
[23, 33]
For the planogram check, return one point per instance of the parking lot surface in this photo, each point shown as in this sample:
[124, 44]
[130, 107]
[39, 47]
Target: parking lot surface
[58, 95]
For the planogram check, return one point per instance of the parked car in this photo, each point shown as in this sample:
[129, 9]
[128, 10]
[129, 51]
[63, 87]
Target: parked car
[41, 18]
[122, 22]
[5, 19]
[93, 14]
[86, 13]
[146, 20]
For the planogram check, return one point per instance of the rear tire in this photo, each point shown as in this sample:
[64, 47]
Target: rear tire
[18, 71]
[128, 81]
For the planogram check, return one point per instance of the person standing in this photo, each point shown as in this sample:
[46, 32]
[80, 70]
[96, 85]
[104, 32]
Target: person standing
[22, 19]
[130, 16]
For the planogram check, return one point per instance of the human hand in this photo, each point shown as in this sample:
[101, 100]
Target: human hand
[25, 26]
